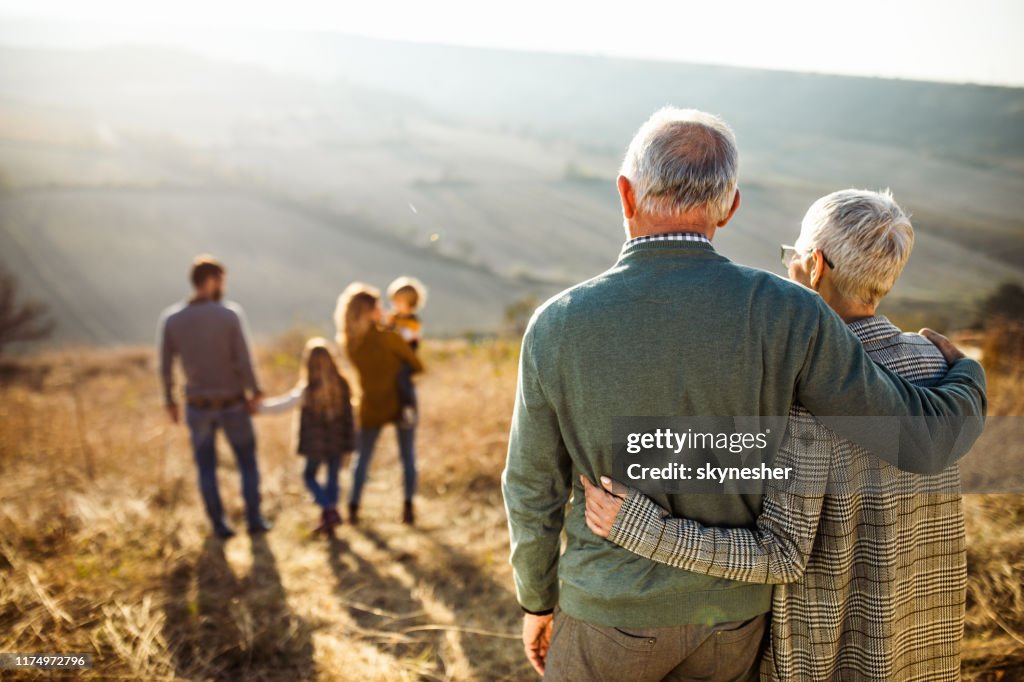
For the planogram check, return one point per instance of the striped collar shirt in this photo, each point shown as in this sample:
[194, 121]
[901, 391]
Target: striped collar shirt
[669, 237]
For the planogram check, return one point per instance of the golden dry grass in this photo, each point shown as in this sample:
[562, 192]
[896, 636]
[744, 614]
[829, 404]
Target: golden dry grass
[105, 550]
[994, 642]
[105, 546]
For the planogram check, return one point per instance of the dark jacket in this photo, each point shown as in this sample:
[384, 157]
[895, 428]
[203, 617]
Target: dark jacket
[323, 437]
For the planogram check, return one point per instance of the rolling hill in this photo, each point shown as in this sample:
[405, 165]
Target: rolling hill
[308, 163]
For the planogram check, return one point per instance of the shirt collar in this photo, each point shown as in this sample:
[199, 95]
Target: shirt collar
[874, 328]
[669, 237]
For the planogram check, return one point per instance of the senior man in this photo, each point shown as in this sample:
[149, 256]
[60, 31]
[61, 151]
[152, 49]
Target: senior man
[674, 328]
[872, 576]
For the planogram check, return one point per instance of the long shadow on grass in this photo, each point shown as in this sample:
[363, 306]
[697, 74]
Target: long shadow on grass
[221, 627]
[478, 602]
[383, 609]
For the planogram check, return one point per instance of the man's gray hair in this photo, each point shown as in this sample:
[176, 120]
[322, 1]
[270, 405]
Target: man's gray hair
[865, 234]
[682, 159]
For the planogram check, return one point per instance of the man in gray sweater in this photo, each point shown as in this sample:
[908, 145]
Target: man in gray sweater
[676, 329]
[221, 391]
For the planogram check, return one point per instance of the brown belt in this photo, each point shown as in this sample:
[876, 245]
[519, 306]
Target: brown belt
[215, 403]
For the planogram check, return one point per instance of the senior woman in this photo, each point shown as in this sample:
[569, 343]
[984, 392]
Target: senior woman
[870, 577]
[377, 355]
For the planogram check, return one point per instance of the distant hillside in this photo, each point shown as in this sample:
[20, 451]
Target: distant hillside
[597, 100]
[488, 174]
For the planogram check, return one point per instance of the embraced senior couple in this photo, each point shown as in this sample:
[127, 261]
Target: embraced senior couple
[858, 572]
[209, 337]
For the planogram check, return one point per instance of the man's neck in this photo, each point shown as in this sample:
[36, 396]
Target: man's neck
[650, 228]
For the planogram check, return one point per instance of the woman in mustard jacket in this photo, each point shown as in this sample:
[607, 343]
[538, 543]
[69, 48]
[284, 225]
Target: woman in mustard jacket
[377, 354]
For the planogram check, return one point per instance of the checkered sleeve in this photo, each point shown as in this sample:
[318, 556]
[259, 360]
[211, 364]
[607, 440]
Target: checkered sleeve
[775, 551]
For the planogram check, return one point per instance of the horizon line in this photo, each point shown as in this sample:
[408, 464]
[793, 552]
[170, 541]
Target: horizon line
[166, 42]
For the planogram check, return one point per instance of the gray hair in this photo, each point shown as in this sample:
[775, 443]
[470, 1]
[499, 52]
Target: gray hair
[682, 159]
[865, 234]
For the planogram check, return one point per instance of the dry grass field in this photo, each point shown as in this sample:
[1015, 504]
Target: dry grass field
[104, 546]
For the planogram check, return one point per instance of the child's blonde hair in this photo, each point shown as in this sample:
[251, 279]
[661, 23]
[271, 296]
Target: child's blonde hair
[326, 390]
[409, 288]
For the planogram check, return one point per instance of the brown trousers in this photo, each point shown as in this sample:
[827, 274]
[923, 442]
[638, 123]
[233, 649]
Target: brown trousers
[583, 652]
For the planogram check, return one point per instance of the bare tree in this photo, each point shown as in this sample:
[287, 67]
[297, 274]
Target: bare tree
[1005, 303]
[20, 321]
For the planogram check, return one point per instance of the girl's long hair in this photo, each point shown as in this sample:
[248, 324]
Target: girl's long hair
[326, 390]
[353, 317]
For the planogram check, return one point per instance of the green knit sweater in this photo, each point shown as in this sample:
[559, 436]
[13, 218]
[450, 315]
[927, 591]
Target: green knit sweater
[675, 329]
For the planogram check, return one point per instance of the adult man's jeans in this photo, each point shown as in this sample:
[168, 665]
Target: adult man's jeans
[237, 426]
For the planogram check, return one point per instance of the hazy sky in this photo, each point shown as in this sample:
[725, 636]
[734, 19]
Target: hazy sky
[977, 41]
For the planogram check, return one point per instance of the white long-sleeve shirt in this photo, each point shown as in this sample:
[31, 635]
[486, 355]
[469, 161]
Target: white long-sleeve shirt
[280, 404]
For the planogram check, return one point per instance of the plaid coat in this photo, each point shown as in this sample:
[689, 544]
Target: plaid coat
[869, 561]
[322, 437]
[314, 435]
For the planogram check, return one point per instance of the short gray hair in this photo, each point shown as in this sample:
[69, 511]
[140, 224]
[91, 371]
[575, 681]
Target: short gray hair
[865, 234]
[682, 159]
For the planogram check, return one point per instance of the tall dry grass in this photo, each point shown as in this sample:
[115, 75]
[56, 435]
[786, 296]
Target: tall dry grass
[104, 546]
[105, 549]
[994, 643]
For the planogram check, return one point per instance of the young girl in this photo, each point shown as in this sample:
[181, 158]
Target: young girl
[325, 431]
